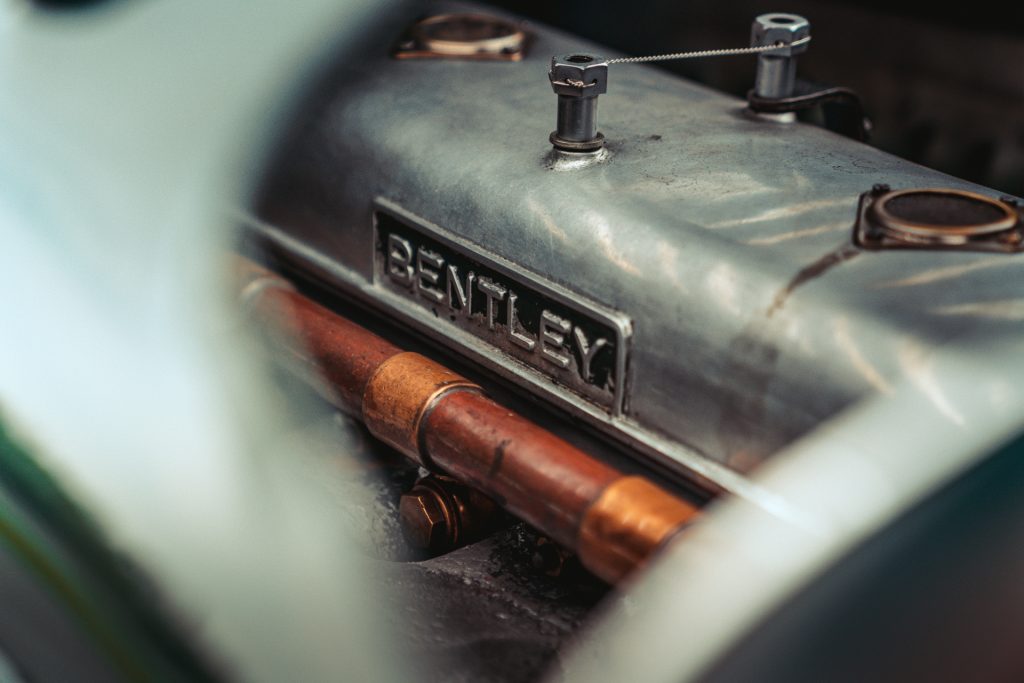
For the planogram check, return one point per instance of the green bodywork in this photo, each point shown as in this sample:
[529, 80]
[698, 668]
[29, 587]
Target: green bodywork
[100, 592]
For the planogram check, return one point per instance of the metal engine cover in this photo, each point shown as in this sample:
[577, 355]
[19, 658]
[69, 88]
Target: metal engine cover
[710, 250]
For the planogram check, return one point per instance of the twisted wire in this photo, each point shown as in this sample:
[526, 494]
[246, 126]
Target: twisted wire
[700, 54]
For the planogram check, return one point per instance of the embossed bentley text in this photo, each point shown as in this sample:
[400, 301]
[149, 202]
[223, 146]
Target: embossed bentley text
[553, 334]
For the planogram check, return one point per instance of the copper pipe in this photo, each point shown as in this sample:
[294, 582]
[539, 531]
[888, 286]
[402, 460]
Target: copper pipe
[527, 470]
[443, 421]
[344, 354]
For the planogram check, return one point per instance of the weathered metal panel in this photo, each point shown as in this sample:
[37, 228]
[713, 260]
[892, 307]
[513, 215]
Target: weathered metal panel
[721, 241]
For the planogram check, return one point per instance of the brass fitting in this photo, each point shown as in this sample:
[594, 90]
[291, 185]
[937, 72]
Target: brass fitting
[627, 524]
[400, 393]
[439, 515]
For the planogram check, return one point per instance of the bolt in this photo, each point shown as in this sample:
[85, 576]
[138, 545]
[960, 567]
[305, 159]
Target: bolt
[776, 70]
[439, 514]
[426, 522]
[880, 188]
[578, 79]
[1009, 201]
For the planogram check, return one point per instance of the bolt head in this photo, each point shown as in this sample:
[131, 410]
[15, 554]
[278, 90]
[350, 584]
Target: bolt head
[579, 67]
[776, 27]
[423, 520]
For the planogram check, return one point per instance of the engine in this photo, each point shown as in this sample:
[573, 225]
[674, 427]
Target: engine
[611, 375]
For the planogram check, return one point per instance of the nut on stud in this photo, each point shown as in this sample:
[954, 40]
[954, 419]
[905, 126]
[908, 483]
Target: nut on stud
[769, 29]
[425, 520]
[578, 79]
[776, 70]
[439, 514]
[579, 75]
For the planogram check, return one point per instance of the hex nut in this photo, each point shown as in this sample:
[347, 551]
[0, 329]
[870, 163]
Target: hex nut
[590, 71]
[776, 27]
[424, 523]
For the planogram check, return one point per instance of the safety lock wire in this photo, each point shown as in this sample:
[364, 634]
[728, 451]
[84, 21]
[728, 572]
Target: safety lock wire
[578, 79]
[701, 54]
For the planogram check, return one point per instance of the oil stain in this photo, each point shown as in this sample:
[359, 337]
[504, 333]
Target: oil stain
[744, 431]
[810, 272]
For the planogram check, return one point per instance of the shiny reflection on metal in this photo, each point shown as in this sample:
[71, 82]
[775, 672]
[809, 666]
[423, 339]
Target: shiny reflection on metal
[770, 117]
[846, 343]
[464, 36]
[1011, 310]
[919, 369]
[776, 213]
[937, 218]
[799, 234]
[562, 160]
[931, 275]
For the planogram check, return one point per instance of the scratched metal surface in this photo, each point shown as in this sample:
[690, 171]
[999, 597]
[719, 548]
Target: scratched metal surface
[726, 240]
